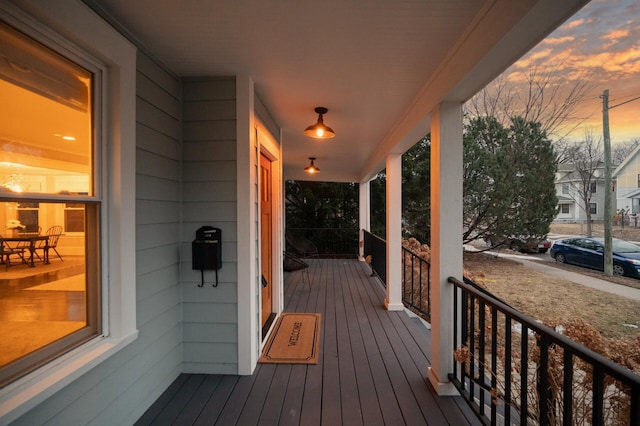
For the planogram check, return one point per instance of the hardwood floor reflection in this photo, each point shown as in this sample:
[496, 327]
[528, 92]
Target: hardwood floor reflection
[40, 305]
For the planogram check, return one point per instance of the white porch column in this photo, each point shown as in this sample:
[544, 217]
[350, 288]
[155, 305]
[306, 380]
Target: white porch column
[365, 213]
[446, 237]
[393, 301]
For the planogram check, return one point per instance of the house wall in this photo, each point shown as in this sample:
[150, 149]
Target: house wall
[210, 326]
[188, 138]
[627, 182]
[577, 212]
[121, 388]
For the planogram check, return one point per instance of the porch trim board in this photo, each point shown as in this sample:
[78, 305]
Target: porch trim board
[248, 305]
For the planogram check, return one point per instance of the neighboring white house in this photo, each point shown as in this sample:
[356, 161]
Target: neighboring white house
[571, 205]
[627, 178]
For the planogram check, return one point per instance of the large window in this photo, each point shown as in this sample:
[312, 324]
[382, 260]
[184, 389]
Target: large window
[49, 249]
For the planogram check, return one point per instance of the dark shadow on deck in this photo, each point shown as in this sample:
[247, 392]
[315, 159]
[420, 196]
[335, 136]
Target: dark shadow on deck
[372, 368]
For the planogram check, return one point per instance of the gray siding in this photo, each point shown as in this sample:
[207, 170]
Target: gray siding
[120, 389]
[210, 331]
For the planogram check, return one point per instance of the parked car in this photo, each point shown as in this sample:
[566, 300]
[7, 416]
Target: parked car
[589, 252]
[522, 244]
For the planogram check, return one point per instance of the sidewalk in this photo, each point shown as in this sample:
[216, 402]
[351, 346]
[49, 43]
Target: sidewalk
[598, 284]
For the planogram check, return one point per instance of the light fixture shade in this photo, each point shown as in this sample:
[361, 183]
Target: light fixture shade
[320, 130]
[311, 168]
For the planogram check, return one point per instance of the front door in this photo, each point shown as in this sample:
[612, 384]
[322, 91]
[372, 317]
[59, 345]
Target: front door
[265, 240]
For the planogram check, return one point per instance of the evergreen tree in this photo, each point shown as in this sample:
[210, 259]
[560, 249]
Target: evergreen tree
[324, 212]
[378, 195]
[416, 190]
[509, 176]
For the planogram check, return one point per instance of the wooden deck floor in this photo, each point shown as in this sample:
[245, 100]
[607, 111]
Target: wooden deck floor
[372, 368]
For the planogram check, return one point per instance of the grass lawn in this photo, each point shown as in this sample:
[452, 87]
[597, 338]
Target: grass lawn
[543, 297]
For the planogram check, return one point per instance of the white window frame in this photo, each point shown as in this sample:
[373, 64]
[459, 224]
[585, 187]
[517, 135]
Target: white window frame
[87, 35]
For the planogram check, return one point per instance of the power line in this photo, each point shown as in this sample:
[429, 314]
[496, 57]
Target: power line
[625, 102]
[622, 98]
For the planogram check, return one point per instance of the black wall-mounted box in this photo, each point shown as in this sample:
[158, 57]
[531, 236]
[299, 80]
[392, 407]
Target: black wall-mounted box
[206, 249]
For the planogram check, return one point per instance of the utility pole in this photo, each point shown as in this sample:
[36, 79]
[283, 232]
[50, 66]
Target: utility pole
[608, 184]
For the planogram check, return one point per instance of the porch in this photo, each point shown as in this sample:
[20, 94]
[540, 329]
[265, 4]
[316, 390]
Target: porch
[372, 367]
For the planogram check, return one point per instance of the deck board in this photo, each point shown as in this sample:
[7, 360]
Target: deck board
[372, 367]
[196, 405]
[219, 398]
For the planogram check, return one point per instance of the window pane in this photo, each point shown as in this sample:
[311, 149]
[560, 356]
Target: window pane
[47, 306]
[74, 220]
[45, 119]
[45, 293]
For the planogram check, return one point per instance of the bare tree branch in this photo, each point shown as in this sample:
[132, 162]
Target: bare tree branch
[579, 171]
[621, 151]
[538, 95]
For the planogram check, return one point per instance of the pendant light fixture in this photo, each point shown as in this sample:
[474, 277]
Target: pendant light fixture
[311, 168]
[319, 130]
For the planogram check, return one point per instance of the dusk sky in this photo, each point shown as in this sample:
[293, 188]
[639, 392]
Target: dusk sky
[600, 43]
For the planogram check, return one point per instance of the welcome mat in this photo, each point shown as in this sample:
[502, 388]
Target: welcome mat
[295, 340]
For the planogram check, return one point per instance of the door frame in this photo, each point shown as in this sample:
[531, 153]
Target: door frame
[270, 148]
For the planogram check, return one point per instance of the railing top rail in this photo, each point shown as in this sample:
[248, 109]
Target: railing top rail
[375, 236]
[615, 370]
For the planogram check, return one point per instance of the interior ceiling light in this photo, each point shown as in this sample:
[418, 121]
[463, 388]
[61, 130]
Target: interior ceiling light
[311, 168]
[65, 137]
[320, 130]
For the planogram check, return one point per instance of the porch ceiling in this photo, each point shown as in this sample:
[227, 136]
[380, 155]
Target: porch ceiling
[380, 66]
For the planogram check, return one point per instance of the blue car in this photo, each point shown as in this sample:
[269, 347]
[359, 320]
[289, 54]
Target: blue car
[589, 252]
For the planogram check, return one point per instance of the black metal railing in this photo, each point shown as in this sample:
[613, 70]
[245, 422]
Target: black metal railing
[332, 242]
[416, 273]
[376, 247]
[512, 369]
[416, 282]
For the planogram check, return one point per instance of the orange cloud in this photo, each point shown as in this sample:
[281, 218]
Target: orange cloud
[626, 62]
[616, 34]
[533, 59]
[614, 37]
[553, 41]
[573, 24]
